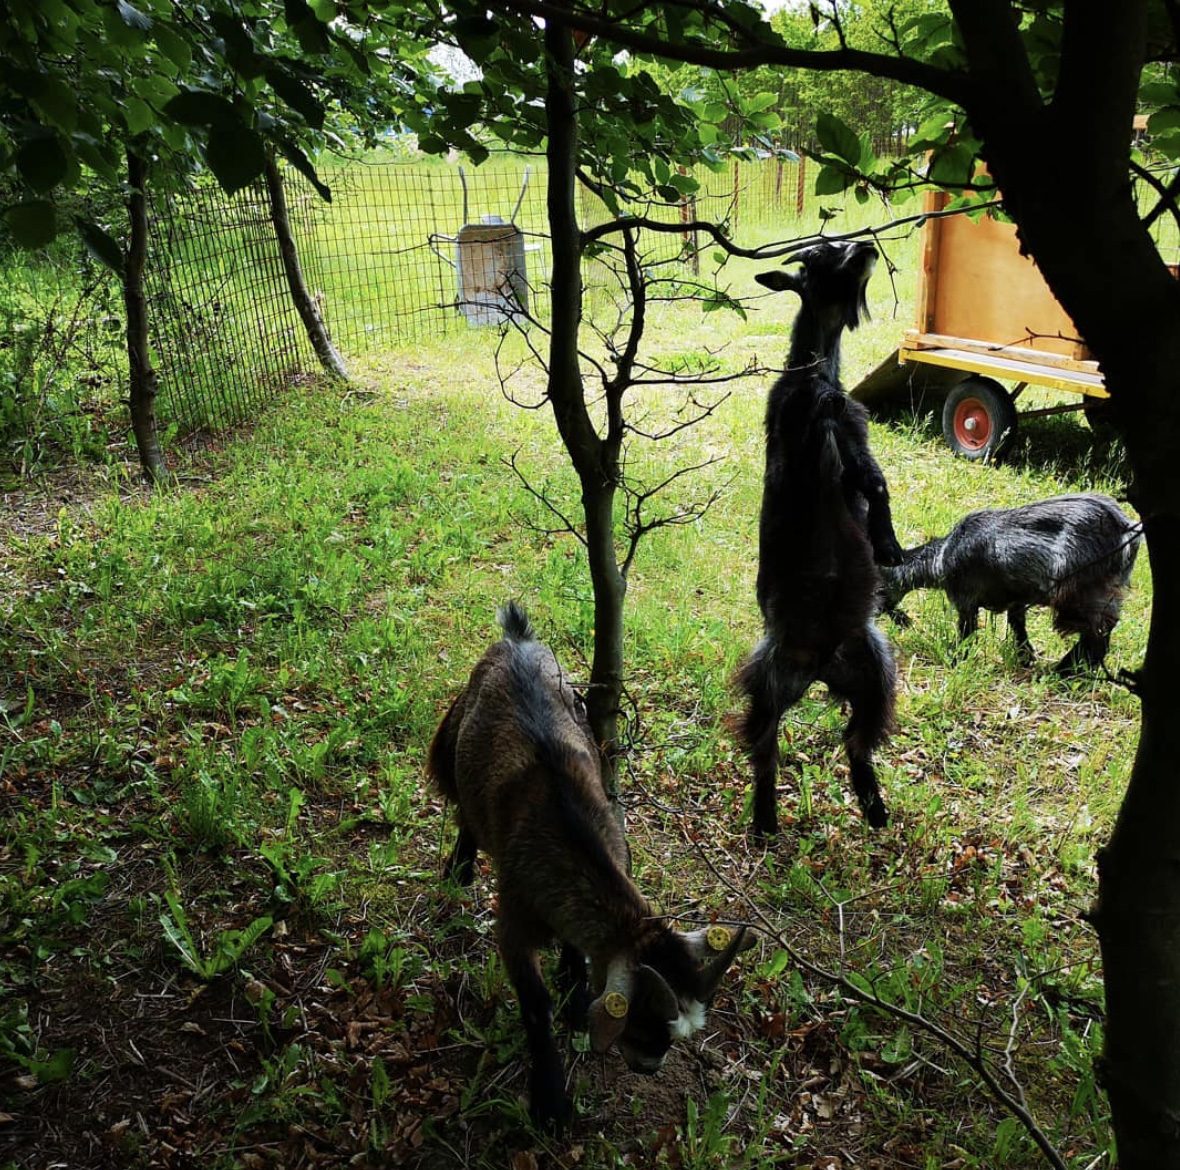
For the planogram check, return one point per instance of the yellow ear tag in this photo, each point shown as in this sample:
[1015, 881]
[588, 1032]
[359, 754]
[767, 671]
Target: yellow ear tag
[717, 938]
[615, 1004]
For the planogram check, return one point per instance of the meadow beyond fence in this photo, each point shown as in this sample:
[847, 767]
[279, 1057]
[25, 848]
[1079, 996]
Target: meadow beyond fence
[383, 262]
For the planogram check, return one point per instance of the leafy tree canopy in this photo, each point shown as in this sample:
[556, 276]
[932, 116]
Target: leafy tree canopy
[82, 83]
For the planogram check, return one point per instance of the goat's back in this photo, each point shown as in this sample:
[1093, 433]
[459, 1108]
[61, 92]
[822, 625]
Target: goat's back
[516, 755]
[816, 573]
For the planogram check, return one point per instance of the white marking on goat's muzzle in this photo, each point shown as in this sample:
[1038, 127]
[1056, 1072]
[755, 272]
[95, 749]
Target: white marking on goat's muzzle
[690, 1020]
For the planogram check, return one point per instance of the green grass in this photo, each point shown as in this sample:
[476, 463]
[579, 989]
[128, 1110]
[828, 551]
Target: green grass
[216, 705]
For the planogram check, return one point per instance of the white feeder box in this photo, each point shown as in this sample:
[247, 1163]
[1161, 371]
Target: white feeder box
[493, 279]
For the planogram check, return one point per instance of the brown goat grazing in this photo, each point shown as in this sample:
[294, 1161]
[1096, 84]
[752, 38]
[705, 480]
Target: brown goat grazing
[516, 756]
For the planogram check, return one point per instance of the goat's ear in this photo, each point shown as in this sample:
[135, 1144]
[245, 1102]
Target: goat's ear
[717, 946]
[602, 1022]
[607, 1016]
[780, 280]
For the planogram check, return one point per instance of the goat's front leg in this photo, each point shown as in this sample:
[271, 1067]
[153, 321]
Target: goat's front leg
[548, 1105]
[1089, 651]
[968, 620]
[869, 482]
[574, 984]
[887, 549]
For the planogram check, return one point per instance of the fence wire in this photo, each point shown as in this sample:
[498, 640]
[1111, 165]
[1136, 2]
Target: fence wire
[385, 262]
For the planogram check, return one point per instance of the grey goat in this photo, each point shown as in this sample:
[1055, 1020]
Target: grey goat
[1072, 553]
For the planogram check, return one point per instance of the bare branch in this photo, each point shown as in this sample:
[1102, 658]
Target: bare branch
[567, 525]
[970, 1054]
[637, 527]
[772, 251]
[704, 411]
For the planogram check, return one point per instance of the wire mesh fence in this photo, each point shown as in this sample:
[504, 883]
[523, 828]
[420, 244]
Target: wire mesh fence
[397, 256]
[225, 332]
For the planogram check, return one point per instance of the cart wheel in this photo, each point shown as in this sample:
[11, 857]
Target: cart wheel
[978, 418]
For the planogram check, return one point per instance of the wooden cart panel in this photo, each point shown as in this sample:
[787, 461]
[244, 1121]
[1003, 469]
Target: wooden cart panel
[975, 283]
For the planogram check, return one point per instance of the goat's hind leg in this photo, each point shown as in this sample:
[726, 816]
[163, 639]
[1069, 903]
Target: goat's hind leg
[770, 690]
[863, 672]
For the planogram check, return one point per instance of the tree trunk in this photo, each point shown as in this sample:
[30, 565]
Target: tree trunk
[1127, 307]
[143, 381]
[305, 304]
[1138, 910]
[595, 461]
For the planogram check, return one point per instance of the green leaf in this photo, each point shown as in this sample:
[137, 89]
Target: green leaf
[199, 107]
[42, 163]
[120, 33]
[139, 115]
[180, 938]
[233, 944]
[831, 181]
[58, 102]
[100, 245]
[1159, 93]
[132, 17]
[98, 159]
[952, 165]
[309, 30]
[57, 1068]
[297, 96]
[835, 136]
[759, 102]
[236, 155]
[174, 47]
[303, 165]
[1163, 121]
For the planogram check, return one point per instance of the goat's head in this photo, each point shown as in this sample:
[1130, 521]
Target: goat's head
[659, 992]
[830, 278]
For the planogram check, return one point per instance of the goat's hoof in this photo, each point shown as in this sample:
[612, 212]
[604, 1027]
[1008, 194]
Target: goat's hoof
[550, 1111]
[763, 833]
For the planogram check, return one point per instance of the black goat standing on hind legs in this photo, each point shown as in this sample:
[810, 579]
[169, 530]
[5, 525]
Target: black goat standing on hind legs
[825, 527]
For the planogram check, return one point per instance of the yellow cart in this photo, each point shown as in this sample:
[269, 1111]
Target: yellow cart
[985, 321]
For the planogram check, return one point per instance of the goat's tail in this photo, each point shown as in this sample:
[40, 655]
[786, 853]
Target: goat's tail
[515, 623]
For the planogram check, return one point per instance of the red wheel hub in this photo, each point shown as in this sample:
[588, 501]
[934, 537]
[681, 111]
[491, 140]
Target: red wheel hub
[972, 424]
